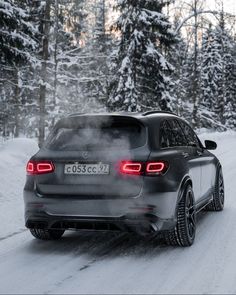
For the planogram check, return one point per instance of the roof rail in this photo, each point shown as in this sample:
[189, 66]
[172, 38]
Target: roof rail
[158, 112]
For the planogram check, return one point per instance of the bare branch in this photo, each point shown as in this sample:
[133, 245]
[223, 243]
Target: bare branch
[215, 13]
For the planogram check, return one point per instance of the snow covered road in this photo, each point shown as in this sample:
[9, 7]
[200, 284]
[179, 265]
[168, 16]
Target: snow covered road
[114, 263]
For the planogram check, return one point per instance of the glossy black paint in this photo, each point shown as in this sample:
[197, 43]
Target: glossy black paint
[210, 145]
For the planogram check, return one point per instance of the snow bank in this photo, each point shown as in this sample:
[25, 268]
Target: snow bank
[205, 134]
[225, 142]
[16, 151]
[14, 155]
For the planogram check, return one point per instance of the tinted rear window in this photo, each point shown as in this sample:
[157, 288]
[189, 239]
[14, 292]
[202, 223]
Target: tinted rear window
[116, 136]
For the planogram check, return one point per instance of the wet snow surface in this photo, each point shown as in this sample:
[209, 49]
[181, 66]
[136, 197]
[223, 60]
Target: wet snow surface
[108, 262]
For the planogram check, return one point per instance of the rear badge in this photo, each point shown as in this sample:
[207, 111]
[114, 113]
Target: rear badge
[85, 155]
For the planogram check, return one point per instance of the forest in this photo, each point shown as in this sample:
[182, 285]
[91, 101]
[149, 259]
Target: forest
[66, 56]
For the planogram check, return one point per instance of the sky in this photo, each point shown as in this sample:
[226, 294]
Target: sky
[229, 5]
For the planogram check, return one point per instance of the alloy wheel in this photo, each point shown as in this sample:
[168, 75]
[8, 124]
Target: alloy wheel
[190, 214]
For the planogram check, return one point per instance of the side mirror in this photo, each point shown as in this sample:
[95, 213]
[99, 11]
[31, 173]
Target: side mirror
[210, 145]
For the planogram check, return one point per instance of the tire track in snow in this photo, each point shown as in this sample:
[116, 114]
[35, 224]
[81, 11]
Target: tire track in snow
[13, 234]
[101, 253]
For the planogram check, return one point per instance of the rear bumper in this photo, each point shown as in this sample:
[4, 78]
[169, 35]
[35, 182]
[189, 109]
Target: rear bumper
[146, 223]
[146, 214]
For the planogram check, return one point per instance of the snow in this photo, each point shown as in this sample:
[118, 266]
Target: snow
[108, 263]
[14, 155]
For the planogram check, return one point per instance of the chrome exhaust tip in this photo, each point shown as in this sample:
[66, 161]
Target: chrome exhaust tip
[153, 227]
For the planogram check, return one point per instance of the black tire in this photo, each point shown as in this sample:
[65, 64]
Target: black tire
[217, 204]
[184, 233]
[47, 234]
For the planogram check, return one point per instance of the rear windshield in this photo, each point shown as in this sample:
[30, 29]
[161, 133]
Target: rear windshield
[89, 137]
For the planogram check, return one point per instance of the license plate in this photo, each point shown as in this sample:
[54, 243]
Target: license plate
[87, 169]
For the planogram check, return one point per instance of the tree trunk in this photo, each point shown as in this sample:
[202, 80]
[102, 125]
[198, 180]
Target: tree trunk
[222, 98]
[16, 104]
[195, 119]
[55, 53]
[45, 55]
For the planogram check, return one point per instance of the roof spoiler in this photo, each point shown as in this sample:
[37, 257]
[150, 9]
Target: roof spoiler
[158, 112]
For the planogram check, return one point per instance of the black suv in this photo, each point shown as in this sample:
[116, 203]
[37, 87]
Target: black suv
[143, 172]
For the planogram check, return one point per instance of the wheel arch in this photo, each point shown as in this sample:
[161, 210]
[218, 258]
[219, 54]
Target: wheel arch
[185, 181]
[218, 167]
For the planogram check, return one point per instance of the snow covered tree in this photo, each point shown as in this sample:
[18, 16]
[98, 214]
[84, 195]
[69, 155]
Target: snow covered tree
[86, 62]
[15, 33]
[17, 43]
[72, 57]
[141, 70]
[226, 97]
[196, 6]
[99, 47]
[55, 59]
[75, 15]
[217, 95]
[45, 29]
[230, 82]
[178, 57]
[212, 67]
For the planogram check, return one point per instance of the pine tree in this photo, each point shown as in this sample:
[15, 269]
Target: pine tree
[15, 32]
[17, 42]
[178, 57]
[218, 78]
[98, 47]
[212, 67]
[82, 67]
[226, 85]
[141, 69]
[230, 82]
[70, 37]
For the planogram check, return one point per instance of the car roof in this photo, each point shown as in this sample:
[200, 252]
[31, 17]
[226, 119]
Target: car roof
[144, 116]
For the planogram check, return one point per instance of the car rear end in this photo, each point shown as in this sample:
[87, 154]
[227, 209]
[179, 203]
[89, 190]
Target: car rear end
[92, 173]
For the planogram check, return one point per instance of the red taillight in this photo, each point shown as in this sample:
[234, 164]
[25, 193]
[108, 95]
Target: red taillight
[143, 168]
[42, 167]
[155, 167]
[129, 167]
[30, 167]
